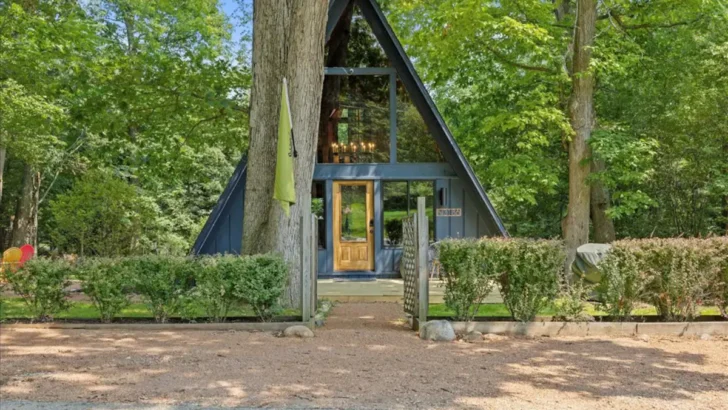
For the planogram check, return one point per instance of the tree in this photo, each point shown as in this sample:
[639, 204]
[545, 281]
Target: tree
[581, 117]
[288, 41]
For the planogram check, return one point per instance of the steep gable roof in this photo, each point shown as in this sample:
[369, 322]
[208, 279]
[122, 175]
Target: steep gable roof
[422, 101]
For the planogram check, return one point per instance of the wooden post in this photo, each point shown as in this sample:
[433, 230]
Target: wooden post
[314, 263]
[306, 265]
[423, 277]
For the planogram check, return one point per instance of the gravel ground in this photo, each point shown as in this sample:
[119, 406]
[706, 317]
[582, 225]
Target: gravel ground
[363, 358]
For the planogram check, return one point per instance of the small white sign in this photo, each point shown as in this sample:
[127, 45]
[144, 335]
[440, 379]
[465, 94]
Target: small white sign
[449, 212]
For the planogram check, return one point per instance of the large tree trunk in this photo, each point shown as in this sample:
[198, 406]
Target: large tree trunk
[581, 117]
[288, 40]
[600, 201]
[25, 228]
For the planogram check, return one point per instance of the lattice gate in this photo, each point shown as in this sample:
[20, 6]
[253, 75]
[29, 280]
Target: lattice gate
[413, 265]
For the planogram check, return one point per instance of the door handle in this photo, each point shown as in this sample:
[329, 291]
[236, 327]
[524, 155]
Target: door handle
[371, 226]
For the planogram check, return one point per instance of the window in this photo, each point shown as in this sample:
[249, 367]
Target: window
[318, 208]
[400, 200]
[394, 197]
[353, 43]
[414, 141]
[355, 124]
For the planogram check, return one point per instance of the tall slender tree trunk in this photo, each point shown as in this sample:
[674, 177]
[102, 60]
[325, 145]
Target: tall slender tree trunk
[581, 117]
[25, 227]
[3, 152]
[288, 40]
[600, 201]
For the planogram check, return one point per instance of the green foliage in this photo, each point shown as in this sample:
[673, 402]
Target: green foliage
[393, 228]
[469, 269]
[621, 285]
[163, 282]
[720, 289]
[572, 305]
[528, 272]
[102, 215]
[41, 282]
[215, 283]
[676, 276]
[531, 269]
[107, 282]
[261, 282]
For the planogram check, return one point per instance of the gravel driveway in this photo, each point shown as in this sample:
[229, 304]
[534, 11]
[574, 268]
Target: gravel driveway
[363, 358]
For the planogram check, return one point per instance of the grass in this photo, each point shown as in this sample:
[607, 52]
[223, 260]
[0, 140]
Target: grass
[15, 308]
[500, 310]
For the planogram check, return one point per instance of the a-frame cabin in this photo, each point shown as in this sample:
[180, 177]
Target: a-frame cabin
[382, 143]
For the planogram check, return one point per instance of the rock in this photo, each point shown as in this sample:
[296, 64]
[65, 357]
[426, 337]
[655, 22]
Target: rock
[463, 328]
[473, 337]
[298, 331]
[705, 336]
[437, 331]
[643, 337]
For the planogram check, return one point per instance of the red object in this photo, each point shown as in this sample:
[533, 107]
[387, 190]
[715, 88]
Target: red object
[28, 252]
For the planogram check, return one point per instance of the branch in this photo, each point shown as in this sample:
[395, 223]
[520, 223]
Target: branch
[502, 58]
[214, 117]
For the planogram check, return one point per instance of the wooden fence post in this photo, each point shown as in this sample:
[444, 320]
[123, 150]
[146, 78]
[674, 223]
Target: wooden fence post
[314, 263]
[423, 276]
[306, 266]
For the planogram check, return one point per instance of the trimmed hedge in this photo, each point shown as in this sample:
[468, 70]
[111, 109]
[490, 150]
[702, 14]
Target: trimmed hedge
[676, 275]
[168, 285]
[527, 271]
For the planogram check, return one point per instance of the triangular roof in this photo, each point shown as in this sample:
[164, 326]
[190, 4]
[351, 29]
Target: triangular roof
[421, 99]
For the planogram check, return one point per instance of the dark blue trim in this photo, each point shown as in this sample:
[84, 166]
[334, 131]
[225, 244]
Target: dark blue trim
[359, 71]
[395, 172]
[232, 186]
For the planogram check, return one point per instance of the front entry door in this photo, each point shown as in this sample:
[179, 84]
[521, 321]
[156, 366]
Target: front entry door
[353, 225]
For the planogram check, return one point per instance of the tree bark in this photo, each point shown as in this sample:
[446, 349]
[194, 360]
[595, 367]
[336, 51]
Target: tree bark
[600, 201]
[3, 151]
[288, 40]
[581, 117]
[25, 227]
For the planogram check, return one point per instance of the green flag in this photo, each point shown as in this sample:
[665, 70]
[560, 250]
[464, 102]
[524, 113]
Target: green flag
[284, 190]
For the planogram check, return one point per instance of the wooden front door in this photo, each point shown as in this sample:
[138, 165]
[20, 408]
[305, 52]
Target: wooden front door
[353, 225]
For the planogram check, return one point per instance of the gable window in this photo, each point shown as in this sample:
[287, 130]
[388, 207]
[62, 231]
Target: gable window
[399, 200]
[355, 119]
[414, 141]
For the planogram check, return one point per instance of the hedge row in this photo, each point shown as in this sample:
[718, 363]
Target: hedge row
[168, 285]
[674, 275]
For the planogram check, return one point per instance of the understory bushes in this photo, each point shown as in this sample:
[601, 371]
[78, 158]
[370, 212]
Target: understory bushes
[676, 276]
[169, 286]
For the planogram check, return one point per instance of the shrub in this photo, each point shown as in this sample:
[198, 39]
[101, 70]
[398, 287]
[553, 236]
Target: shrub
[678, 273]
[261, 283]
[621, 285]
[216, 280]
[469, 270]
[530, 278]
[163, 282]
[720, 287]
[571, 305]
[41, 282]
[108, 283]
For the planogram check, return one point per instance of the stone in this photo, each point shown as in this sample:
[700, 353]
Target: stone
[298, 331]
[437, 331]
[473, 337]
[643, 337]
[705, 336]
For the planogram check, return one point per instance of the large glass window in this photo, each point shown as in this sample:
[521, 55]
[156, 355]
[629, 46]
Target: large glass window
[414, 141]
[400, 200]
[353, 43]
[354, 119]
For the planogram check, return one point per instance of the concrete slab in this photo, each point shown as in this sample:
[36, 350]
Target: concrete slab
[380, 290]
